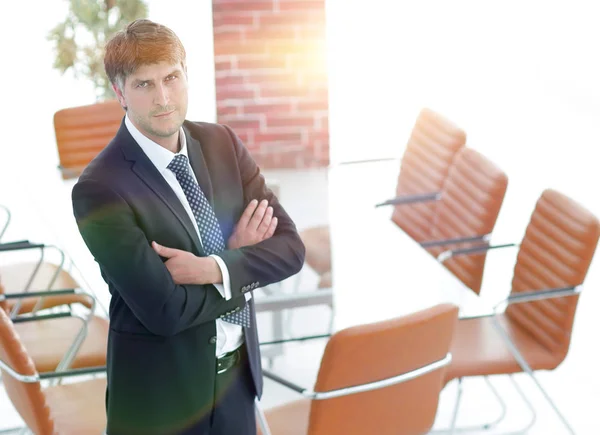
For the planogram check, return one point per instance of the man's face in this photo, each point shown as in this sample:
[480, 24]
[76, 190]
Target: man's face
[156, 97]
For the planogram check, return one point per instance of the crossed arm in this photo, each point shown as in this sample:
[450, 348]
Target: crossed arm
[255, 225]
[169, 297]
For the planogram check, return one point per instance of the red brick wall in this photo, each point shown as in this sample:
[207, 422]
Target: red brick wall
[271, 78]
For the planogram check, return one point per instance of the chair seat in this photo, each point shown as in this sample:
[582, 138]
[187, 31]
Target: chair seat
[15, 277]
[289, 419]
[78, 408]
[317, 242]
[478, 349]
[47, 341]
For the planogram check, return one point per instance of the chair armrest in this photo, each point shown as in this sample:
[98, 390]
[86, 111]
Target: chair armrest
[474, 250]
[538, 295]
[293, 300]
[32, 379]
[411, 199]
[25, 244]
[454, 241]
[38, 317]
[16, 242]
[527, 297]
[289, 340]
[37, 294]
[69, 173]
[322, 395]
[81, 334]
[20, 246]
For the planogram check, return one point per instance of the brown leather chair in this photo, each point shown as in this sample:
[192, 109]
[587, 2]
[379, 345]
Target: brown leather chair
[429, 153]
[62, 339]
[534, 332]
[82, 132]
[36, 276]
[469, 205]
[73, 409]
[382, 378]
[431, 147]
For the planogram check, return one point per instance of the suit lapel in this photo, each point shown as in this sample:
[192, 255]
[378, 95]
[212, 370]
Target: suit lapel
[198, 163]
[147, 172]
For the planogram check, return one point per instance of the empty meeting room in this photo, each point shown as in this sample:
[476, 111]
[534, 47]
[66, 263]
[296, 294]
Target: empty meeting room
[299, 217]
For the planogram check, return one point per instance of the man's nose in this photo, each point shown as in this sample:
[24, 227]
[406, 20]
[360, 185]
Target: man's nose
[161, 96]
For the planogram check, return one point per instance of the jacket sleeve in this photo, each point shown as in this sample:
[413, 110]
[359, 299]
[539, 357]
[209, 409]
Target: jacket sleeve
[109, 229]
[271, 260]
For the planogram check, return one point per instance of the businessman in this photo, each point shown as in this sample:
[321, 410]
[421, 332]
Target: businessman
[179, 219]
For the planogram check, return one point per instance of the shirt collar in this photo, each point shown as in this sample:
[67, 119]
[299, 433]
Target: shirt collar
[158, 155]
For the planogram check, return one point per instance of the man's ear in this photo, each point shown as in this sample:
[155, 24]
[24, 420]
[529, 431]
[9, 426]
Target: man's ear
[119, 95]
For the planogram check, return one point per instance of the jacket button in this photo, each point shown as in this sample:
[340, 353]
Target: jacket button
[213, 340]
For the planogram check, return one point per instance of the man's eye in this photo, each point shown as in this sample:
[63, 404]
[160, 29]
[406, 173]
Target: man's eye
[143, 85]
[171, 77]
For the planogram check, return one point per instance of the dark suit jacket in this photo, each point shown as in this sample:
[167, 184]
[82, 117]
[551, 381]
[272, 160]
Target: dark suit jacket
[161, 347]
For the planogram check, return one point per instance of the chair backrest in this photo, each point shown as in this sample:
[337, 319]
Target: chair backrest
[82, 132]
[374, 352]
[425, 164]
[556, 251]
[27, 398]
[472, 196]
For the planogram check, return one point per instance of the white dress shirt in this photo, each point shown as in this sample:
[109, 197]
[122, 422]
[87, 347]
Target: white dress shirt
[229, 335]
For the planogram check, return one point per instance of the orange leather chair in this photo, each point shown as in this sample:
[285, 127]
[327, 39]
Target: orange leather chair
[72, 409]
[465, 215]
[534, 332]
[382, 378]
[468, 208]
[82, 132]
[431, 147]
[36, 276]
[62, 339]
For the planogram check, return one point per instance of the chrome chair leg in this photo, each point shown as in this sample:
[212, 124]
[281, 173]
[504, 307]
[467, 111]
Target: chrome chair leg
[529, 405]
[262, 420]
[480, 427]
[331, 319]
[497, 421]
[455, 414]
[527, 369]
[297, 279]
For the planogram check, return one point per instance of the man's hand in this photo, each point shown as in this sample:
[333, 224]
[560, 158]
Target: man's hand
[186, 268]
[256, 224]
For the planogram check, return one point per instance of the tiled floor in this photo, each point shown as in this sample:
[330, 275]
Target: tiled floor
[574, 385]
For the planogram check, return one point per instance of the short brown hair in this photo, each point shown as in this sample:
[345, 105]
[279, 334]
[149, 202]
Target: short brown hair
[142, 42]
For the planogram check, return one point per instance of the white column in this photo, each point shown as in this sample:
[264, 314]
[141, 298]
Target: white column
[192, 22]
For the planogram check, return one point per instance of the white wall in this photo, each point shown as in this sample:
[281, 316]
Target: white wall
[521, 77]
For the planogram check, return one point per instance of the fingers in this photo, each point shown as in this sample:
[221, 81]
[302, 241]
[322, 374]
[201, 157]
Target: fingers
[271, 229]
[258, 216]
[163, 251]
[248, 212]
[266, 221]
